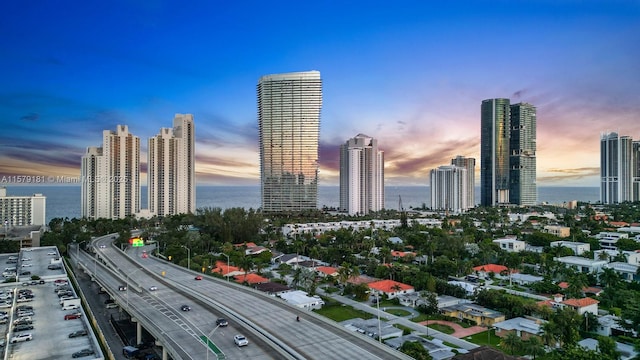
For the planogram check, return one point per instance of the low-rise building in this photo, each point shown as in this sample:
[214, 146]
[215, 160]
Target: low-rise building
[475, 313]
[559, 231]
[390, 288]
[524, 328]
[302, 300]
[510, 244]
[578, 248]
[581, 264]
[628, 272]
[371, 327]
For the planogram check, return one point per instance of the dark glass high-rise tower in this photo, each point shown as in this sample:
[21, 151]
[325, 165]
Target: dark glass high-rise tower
[494, 152]
[522, 160]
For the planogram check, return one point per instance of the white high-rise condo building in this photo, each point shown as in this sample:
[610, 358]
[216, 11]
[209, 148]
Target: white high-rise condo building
[289, 124]
[22, 210]
[361, 176]
[171, 170]
[110, 176]
[470, 165]
[448, 187]
[619, 168]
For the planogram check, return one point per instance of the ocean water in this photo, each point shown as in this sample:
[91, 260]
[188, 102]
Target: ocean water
[64, 201]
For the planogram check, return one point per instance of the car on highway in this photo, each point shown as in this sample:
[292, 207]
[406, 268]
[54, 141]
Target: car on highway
[103, 246]
[199, 277]
[240, 340]
[222, 322]
[21, 337]
[122, 288]
[72, 316]
[78, 333]
[185, 308]
[82, 353]
[112, 306]
[153, 288]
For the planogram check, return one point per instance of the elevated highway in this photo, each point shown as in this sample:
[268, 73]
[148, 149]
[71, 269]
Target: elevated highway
[269, 323]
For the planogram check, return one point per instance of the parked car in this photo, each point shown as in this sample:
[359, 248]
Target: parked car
[82, 353]
[21, 337]
[72, 316]
[240, 340]
[78, 333]
[222, 322]
[185, 308]
[23, 327]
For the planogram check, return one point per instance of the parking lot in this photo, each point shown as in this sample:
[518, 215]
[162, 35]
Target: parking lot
[35, 307]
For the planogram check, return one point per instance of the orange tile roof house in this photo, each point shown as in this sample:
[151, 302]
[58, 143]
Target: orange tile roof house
[391, 288]
[485, 270]
[582, 305]
[226, 270]
[325, 271]
[250, 279]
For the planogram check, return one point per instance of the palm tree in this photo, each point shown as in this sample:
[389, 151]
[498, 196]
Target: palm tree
[534, 346]
[550, 334]
[511, 342]
[609, 278]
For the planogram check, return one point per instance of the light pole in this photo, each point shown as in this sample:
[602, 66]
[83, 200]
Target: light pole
[379, 326]
[208, 339]
[188, 257]
[127, 285]
[78, 248]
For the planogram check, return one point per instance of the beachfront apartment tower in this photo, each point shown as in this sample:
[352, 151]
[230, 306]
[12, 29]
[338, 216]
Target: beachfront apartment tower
[522, 155]
[110, 176]
[494, 152]
[618, 168]
[449, 189]
[20, 210]
[171, 170]
[470, 165]
[289, 107]
[361, 176]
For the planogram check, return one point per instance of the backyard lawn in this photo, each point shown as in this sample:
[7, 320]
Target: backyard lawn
[398, 312]
[338, 312]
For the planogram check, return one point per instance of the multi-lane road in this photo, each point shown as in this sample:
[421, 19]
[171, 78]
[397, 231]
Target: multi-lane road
[268, 322]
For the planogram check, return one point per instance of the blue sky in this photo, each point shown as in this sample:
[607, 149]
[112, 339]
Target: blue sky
[410, 73]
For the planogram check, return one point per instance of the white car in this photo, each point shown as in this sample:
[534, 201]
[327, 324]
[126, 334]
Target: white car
[26, 259]
[240, 340]
[102, 246]
[21, 337]
[153, 288]
[27, 265]
[52, 253]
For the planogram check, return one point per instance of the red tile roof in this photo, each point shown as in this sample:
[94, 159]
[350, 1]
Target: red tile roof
[388, 286]
[395, 253]
[563, 285]
[222, 268]
[618, 223]
[327, 270]
[251, 279]
[580, 303]
[494, 268]
[248, 245]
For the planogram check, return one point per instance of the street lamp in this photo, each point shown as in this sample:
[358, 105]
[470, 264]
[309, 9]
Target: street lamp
[188, 257]
[378, 307]
[127, 288]
[208, 339]
[78, 248]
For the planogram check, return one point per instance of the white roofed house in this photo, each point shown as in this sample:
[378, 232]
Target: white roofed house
[524, 328]
[628, 272]
[302, 300]
[581, 264]
[510, 244]
[578, 248]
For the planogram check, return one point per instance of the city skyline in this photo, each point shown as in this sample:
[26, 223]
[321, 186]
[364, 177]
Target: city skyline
[412, 77]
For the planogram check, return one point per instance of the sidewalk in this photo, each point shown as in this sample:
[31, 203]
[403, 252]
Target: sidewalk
[392, 319]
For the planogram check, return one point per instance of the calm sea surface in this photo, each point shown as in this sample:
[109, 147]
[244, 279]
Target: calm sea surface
[64, 201]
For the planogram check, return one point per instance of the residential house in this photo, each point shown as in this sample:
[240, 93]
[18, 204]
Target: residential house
[524, 328]
[582, 305]
[626, 351]
[250, 279]
[578, 248]
[486, 271]
[628, 272]
[485, 353]
[436, 348]
[390, 288]
[326, 271]
[225, 269]
[475, 313]
[302, 300]
[397, 255]
[609, 325]
[372, 328]
[510, 244]
[272, 288]
[581, 264]
[559, 231]
[525, 279]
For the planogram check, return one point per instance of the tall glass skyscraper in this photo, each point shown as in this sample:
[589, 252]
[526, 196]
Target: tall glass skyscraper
[494, 152]
[289, 124]
[522, 161]
[507, 153]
